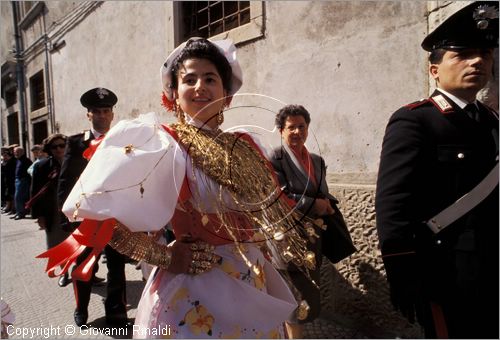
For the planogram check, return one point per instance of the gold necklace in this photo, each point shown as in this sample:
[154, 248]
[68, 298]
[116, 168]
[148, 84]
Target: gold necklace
[234, 164]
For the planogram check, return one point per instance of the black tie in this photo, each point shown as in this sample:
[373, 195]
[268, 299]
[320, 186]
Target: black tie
[472, 111]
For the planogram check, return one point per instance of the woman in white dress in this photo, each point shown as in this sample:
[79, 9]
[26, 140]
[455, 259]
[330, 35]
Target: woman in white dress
[218, 193]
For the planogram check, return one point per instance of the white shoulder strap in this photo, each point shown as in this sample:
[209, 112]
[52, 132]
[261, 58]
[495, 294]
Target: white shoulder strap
[465, 203]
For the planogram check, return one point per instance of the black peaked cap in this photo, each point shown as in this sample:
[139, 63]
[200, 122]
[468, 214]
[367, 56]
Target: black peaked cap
[98, 97]
[474, 26]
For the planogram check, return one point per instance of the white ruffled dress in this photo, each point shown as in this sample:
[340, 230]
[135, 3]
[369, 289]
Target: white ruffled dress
[237, 298]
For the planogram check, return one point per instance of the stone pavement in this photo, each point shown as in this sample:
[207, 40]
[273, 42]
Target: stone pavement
[43, 308]
[37, 301]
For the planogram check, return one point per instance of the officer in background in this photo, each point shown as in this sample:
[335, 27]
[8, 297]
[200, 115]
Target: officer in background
[435, 151]
[99, 103]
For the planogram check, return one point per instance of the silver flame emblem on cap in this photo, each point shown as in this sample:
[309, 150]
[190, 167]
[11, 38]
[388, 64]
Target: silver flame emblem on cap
[102, 92]
[483, 14]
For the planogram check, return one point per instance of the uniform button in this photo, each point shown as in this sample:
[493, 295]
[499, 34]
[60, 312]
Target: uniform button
[438, 242]
[460, 155]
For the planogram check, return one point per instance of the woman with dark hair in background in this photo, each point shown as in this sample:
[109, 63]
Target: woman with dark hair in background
[43, 200]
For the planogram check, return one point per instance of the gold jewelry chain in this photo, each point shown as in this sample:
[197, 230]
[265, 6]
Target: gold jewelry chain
[228, 160]
[234, 164]
[140, 247]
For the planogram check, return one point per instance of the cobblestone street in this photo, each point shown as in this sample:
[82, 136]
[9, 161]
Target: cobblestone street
[40, 305]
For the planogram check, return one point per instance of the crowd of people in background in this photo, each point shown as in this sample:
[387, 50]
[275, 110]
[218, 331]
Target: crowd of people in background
[21, 176]
[16, 180]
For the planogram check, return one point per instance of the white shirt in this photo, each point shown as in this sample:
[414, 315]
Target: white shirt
[461, 103]
[96, 133]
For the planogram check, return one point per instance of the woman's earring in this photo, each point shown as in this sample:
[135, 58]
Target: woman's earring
[220, 116]
[179, 113]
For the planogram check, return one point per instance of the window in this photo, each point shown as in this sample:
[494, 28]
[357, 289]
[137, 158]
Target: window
[13, 128]
[209, 18]
[27, 5]
[10, 97]
[40, 131]
[37, 91]
[28, 12]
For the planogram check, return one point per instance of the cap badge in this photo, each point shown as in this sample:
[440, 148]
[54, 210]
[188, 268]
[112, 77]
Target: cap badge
[102, 92]
[483, 14]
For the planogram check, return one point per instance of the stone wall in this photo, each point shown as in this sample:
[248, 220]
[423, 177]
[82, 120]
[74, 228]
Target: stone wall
[355, 291]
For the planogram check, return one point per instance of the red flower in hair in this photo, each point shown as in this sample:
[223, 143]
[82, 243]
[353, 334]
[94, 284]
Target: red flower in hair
[168, 104]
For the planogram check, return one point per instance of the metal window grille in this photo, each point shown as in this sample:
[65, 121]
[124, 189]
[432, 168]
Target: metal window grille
[27, 6]
[208, 18]
[37, 90]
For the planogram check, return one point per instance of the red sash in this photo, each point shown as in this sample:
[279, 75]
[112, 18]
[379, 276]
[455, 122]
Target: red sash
[90, 233]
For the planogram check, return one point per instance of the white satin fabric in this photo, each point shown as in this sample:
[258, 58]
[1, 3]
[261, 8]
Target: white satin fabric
[109, 187]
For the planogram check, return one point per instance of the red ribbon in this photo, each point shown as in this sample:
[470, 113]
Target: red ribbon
[94, 144]
[91, 233]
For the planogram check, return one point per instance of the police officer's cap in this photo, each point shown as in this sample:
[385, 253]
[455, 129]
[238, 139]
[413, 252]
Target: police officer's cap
[474, 26]
[98, 97]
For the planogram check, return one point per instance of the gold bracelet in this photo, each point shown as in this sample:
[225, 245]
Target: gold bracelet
[140, 247]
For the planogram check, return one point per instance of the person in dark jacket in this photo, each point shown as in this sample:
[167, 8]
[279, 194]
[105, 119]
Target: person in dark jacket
[8, 181]
[434, 152]
[23, 182]
[44, 205]
[302, 175]
[99, 103]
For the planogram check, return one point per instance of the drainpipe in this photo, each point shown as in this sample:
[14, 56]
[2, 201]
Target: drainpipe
[48, 79]
[20, 78]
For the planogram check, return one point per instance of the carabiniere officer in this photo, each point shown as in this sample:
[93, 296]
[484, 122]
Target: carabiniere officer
[442, 264]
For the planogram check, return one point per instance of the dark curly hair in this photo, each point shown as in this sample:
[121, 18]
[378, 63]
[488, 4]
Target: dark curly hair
[203, 49]
[8, 151]
[291, 110]
[48, 141]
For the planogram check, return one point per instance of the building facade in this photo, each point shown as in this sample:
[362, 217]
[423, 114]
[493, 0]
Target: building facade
[350, 63]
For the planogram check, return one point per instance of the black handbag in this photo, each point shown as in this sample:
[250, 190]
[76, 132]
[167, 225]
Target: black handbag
[336, 239]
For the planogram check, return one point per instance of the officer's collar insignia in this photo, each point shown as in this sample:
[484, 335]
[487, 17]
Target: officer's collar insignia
[483, 14]
[102, 92]
[441, 103]
[86, 135]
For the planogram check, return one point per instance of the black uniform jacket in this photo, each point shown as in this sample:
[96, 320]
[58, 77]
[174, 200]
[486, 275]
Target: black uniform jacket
[73, 163]
[432, 154]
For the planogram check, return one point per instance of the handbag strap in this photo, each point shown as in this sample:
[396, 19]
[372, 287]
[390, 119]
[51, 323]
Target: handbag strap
[465, 203]
[52, 176]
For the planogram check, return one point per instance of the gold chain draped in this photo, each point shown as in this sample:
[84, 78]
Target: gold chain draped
[233, 163]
